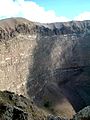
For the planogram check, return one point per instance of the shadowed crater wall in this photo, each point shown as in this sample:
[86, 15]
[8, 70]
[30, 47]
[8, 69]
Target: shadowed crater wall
[60, 74]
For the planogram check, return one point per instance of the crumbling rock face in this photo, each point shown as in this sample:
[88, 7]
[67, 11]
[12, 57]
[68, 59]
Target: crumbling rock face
[48, 62]
[16, 46]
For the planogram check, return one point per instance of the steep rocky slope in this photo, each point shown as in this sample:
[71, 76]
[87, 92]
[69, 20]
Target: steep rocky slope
[15, 107]
[48, 62]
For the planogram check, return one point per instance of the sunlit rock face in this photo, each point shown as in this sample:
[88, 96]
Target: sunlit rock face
[17, 41]
[48, 62]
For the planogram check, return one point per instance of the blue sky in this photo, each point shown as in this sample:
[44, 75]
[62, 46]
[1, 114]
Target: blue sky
[68, 8]
[46, 10]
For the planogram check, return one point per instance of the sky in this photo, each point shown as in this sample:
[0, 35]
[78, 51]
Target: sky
[46, 11]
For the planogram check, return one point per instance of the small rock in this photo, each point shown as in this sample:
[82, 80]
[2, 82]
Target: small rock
[51, 117]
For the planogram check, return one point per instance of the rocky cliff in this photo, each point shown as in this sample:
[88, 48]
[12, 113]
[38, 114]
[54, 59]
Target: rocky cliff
[48, 62]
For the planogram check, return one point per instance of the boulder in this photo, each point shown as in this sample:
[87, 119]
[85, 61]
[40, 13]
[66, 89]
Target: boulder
[83, 114]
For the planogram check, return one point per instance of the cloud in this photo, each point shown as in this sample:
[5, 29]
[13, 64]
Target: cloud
[37, 13]
[29, 10]
[8, 8]
[32, 11]
[83, 16]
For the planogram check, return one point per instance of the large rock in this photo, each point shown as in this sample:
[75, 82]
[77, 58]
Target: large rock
[48, 62]
[15, 107]
[8, 112]
[83, 114]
